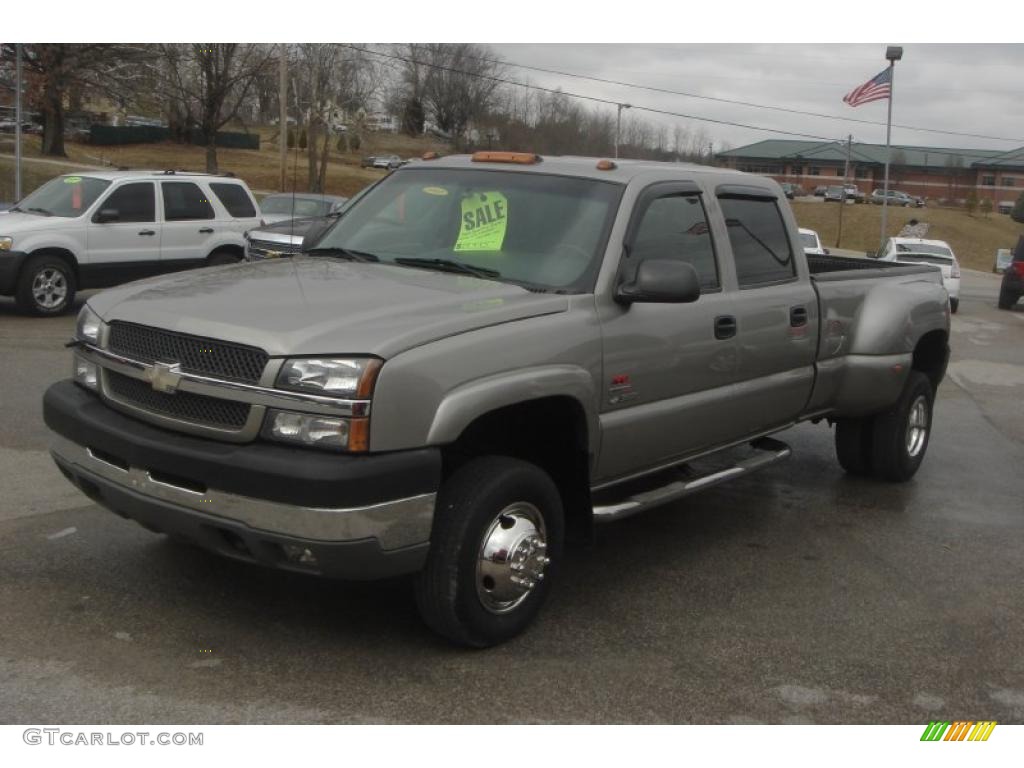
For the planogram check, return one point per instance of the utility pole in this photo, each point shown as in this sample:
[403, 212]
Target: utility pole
[846, 183]
[893, 53]
[282, 138]
[17, 122]
[618, 127]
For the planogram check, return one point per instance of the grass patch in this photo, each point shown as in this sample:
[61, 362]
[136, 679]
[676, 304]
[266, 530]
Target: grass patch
[974, 239]
[259, 168]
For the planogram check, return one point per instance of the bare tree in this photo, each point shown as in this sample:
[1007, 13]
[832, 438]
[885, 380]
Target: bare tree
[209, 83]
[63, 71]
[460, 86]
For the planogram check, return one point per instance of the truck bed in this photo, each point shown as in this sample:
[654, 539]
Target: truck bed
[832, 268]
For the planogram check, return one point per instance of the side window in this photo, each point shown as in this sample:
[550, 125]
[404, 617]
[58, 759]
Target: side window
[235, 199]
[184, 201]
[760, 244]
[676, 227]
[133, 202]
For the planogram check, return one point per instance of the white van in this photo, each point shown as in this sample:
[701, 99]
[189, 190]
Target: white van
[98, 229]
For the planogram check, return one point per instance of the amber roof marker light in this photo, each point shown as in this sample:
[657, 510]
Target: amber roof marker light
[606, 165]
[521, 158]
[430, 156]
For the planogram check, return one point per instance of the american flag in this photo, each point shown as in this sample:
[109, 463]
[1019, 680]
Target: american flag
[878, 87]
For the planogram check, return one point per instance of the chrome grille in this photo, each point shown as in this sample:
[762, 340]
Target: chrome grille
[260, 249]
[195, 354]
[185, 406]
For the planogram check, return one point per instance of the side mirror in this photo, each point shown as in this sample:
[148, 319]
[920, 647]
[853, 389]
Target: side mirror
[661, 281]
[827, 251]
[107, 215]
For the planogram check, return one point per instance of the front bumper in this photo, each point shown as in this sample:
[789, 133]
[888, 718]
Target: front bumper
[358, 517]
[10, 265]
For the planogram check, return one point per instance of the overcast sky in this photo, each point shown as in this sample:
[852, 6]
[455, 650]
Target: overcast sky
[967, 88]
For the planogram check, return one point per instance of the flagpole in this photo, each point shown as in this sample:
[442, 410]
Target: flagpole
[893, 54]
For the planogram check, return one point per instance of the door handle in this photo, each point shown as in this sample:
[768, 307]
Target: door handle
[147, 233]
[725, 327]
[206, 231]
[798, 317]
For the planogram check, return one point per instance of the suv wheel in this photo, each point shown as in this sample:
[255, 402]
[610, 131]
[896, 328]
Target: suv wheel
[46, 286]
[954, 305]
[494, 549]
[900, 435]
[1006, 299]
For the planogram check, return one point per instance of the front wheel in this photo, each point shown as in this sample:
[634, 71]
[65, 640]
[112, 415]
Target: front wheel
[900, 435]
[46, 286]
[495, 547]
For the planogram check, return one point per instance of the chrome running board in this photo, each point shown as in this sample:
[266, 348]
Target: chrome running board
[636, 496]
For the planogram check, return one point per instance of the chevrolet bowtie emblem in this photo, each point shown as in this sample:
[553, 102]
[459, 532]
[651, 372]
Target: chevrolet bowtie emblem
[164, 377]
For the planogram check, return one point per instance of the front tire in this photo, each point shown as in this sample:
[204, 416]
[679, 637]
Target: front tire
[222, 258]
[900, 435]
[495, 547]
[46, 286]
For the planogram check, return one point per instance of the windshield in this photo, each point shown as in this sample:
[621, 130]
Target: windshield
[302, 206]
[808, 240]
[936, 250]
[66, 196]
[537, 230]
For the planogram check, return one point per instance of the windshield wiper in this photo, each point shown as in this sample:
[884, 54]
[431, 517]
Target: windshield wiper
[346, 253]
[449, 265]
[40, 210]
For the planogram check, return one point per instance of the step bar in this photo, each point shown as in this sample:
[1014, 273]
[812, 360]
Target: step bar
[768, 451]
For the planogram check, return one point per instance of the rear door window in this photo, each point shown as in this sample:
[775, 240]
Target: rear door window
[185, 201]
[676, 227]
[760, 243]
[235, 199]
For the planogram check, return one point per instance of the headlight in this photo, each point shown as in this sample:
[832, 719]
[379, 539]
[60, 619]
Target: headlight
[317, 431]
[6, 243]
[349, 378]
[89, 326]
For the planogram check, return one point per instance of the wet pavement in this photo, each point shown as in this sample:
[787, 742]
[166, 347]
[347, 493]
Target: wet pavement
[795, 595]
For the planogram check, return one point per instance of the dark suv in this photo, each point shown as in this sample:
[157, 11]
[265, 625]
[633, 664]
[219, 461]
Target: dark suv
[1013, 279]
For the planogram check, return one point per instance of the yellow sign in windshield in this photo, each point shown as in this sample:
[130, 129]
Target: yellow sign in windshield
[484, 221]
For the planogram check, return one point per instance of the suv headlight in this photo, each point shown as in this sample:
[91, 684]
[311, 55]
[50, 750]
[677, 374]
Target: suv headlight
[349, 378]
[89, 326]
[6, 243]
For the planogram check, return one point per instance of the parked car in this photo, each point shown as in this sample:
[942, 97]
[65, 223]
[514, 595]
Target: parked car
[811, 243]
[1003, 258]
[457, 391]
[1005, 206]
[285, 206]
[820, 191]
[792, 190]
[99, 229]
[896, 198]
[285, 238]
[915, 250]
[853, 193]
[391, 162]
[1012, 287]
[367, 162]
[835, 194]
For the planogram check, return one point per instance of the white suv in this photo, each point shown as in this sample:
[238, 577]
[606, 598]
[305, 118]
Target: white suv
[95, 230]
[916, 250]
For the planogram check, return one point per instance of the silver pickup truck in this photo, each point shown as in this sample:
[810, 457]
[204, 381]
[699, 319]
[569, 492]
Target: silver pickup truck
[484, 357]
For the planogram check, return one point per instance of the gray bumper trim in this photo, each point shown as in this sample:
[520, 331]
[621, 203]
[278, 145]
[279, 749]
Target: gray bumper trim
[393, 524]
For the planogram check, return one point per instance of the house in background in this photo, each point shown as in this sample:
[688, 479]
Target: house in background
[937, 173]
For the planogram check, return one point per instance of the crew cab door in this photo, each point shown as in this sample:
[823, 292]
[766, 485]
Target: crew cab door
[123, 236]
[667, 367]
[776, 311]
[190, 225]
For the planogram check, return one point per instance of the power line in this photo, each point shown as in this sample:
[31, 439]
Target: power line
[597, 99]
[737, 102]
[610, 102]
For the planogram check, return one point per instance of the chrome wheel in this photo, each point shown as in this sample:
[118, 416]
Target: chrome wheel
[917, 426]
[512, 557]
[49, 288]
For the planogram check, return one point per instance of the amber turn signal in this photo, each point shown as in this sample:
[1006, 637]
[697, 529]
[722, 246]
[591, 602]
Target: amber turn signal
[522, 158]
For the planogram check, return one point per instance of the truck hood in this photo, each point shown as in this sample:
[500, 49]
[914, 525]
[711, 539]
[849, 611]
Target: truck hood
[321, 305]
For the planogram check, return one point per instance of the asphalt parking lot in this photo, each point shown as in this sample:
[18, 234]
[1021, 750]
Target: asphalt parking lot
[797, 595]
